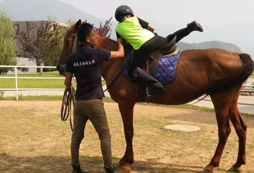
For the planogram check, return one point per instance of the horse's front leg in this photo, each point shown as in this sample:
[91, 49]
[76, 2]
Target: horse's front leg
[126, 110]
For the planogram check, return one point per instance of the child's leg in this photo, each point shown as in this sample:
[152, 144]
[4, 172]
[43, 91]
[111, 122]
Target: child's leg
[142, 55]
[139, 59]
[193, 26]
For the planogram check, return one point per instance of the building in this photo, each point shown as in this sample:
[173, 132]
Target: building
[32, 28]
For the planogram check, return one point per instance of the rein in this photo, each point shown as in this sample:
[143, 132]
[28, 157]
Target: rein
[116, 77]
[114, 80]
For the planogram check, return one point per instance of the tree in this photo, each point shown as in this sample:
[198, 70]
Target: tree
[7, 42]
[105, 30]
[41, 43]
[23, 69]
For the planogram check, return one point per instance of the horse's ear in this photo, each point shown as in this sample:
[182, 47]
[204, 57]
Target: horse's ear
[77, 24]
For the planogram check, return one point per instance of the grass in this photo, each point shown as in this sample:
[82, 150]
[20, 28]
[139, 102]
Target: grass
[108, 99]
[49, 83]
[44, 74]
[34, 83]
[33, 98]
[34, 139]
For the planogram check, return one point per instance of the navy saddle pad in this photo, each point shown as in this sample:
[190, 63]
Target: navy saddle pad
[169, 63]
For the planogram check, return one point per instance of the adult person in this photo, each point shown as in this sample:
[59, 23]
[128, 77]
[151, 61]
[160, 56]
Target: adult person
[139, 34]
[85, 64]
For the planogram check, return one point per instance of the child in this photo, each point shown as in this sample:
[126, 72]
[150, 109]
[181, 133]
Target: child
[139, 34]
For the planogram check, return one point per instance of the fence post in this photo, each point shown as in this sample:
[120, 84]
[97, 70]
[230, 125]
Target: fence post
[16, 82]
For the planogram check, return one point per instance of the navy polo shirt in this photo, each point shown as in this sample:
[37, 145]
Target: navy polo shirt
[86, 64]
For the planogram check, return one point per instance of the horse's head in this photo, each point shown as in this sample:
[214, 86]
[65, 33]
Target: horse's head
[67, 47]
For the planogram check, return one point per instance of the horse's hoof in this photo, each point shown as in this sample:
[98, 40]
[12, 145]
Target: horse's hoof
[121, 162]
[122, 169]
[208, 169]
[235, 169]
[126, 167]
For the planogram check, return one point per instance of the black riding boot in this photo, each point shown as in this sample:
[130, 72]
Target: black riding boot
[141, 76]
[193, 26]
[110, 169]
[77, 169]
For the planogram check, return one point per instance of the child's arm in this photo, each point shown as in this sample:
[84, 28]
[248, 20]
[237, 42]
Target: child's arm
[150, 27]
[146, 25]
[122, 41]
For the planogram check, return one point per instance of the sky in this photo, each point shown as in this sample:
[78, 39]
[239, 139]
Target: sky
[229, 21]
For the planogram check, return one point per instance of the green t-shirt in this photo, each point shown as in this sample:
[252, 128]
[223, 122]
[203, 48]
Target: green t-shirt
[131, 30]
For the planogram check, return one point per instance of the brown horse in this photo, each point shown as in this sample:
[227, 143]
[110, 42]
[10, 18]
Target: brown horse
[214, 72]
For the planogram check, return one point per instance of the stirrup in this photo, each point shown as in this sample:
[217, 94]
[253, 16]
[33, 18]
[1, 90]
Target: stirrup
[154, 91]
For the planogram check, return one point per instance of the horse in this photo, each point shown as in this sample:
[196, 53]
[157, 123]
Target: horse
[214, 72]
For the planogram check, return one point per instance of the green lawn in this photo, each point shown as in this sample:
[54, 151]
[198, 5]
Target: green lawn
[33, 83]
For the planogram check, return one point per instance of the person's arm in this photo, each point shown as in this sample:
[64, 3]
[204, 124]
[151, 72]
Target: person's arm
[146, 25]
[68, 80]
[120, 52]
[150, 27]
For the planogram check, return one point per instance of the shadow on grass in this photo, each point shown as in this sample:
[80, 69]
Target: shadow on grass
[58, 164]
[159, 167]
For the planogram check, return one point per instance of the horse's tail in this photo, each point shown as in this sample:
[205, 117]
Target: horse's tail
[235, 79]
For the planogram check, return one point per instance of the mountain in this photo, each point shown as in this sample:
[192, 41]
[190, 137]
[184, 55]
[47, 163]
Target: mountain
[209, 44]
[34, 10]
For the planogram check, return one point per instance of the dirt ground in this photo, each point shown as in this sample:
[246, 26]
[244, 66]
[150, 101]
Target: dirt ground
[34, 139]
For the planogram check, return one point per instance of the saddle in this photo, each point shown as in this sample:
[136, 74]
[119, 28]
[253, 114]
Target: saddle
[161, 64]
[153, 63]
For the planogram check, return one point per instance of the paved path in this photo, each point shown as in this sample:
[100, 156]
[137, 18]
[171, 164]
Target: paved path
[33, 93]
[245, 103]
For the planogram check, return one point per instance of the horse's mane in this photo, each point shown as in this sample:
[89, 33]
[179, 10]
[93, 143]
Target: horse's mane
[107, 43]
[112, 45]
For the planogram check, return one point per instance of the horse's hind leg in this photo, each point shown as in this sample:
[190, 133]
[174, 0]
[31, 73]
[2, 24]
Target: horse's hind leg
[225, 105]
[240, 128]
[221, 103]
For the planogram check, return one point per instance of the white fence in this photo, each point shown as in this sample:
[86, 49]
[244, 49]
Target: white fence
[16, 89]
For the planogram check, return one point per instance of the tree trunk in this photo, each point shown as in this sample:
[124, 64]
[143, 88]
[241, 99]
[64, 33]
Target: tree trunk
[39, 70]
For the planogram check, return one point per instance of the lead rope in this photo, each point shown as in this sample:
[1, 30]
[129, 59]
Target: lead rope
[68, 100]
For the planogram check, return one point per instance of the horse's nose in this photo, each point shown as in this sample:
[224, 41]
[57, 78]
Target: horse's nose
[58, 67]
[61, 69]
